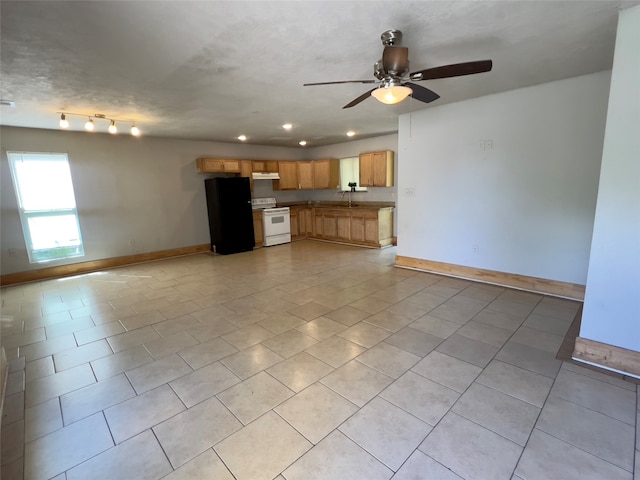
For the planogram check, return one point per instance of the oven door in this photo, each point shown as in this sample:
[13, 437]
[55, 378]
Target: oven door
[277, 225]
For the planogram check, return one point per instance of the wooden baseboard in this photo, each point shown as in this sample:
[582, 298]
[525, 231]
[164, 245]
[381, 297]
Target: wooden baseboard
[533, 284]
[96, 265]
[608, 356]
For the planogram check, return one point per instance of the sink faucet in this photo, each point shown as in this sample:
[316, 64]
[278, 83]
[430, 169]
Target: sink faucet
[349, 197]
[352, 188]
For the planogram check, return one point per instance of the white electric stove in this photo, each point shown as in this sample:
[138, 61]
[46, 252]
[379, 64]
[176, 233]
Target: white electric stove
[276, 222]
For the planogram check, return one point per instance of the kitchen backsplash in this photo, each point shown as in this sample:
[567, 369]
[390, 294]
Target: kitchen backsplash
[263, 188]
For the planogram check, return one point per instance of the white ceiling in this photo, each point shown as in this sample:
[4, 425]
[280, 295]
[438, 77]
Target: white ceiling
[213, 70]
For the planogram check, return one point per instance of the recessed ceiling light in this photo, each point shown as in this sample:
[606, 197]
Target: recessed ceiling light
[242, 138]
[350, 133]
[287, 126]
[302, 143]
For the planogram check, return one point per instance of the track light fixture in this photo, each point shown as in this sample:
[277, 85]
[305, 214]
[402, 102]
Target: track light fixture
[90, 125]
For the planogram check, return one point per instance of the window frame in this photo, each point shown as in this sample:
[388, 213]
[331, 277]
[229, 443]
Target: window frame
[356, 170]
[25, 215]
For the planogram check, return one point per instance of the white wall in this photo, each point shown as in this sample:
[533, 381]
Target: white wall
[143, 189]
[611, 312]
[528, 203]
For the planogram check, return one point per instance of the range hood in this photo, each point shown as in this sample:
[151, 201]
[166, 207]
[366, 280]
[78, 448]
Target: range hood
[265, 176]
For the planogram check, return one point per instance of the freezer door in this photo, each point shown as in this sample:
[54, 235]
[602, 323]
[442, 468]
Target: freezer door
[230, 214]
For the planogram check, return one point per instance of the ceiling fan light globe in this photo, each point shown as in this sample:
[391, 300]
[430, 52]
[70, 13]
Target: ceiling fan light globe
[391, 95]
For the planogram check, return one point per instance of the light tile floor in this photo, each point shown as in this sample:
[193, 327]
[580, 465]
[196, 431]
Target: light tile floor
[302, 361]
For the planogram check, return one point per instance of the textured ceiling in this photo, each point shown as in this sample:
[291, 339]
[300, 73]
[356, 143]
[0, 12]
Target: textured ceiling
[214, 70]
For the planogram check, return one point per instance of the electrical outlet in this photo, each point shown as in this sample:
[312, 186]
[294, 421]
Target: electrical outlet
[12, 252]
[132, 243]
[475, 249]
[488, 144]
[482, 145]
[409, 191]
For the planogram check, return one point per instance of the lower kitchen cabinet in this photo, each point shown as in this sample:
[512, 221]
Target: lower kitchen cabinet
[258, 231]
[371, 227]
[360, 226]
[306, 221]
[301, 225]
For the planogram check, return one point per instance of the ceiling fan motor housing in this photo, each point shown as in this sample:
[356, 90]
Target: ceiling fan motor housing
[391, 37]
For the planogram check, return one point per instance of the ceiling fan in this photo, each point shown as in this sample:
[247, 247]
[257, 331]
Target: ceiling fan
[393, 77]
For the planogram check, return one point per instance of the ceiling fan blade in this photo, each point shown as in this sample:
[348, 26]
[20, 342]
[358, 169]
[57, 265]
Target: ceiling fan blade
[356, 101]
[395, 60]
[423, 94]
[454, 70]
[335, 83]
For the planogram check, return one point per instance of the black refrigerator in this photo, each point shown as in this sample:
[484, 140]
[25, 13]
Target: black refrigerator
[230, 214]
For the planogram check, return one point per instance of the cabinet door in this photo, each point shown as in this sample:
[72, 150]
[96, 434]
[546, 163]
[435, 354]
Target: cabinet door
[258, 166]
[343, 225]
[382, 169]
[288, 176]
[210, 165]
[245, 171]
[294, 218]
[305, 175]
[257, 228]
[271, 166]
[376, 169]
[366, 169]
[371, 231]
[231, 166]
[329, 226]
[316, 218]
[265, 166]
[326, 173]
[357, 229]
[306, 221]
[245, 168]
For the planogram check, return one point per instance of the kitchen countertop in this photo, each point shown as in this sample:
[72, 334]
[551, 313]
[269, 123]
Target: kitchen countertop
[341, 204]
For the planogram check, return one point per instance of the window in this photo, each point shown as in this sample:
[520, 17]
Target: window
[47, 205]
[350, 173]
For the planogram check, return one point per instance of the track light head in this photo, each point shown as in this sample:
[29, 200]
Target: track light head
[64, 123]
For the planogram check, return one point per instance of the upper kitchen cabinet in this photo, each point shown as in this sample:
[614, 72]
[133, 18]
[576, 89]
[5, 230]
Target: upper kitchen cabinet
[288, 172]
[294, 175]
[245, 171]
[218, 165]
[376, 169]
[265, 166]
[305, 175]
[326, 173]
